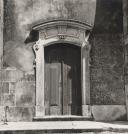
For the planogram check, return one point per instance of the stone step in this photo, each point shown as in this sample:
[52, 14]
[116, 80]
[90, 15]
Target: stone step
[63, 118]
[72, 127]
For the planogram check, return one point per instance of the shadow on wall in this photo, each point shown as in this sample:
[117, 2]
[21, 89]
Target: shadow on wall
[19, 55]
[109, 17]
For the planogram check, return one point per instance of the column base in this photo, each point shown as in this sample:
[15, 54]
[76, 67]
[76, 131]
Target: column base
[39, 111]
[86, 111]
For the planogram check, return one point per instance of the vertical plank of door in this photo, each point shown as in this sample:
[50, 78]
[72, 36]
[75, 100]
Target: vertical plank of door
[69, 89]
[74, 82]
[53, 85]
[65, 98]
[54, 89]
[67, 85]
[64, 75]
[77, 83]
[47, 88]
[69, 79]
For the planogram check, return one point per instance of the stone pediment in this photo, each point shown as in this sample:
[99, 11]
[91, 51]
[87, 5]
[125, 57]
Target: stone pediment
[66, 30]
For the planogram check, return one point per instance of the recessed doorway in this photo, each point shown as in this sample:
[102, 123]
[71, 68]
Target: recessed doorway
[62, 84]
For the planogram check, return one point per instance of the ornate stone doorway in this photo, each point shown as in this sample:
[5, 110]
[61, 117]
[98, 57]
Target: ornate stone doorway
[65, 32]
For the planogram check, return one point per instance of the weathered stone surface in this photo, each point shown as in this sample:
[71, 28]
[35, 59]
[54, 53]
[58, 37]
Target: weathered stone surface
[17, 88]
[4, 87]
[107, 70]
[83, 10]
[12, 87]
[109, 112]
[20, 113]
[8, 100]
[107, 56]
[106, 39]
[17, 113]
[11, 75]
[109, 16]
[104, 94]
[29, 77]
[19, 17]
[107, 78]
[25, 93]
[2, 113]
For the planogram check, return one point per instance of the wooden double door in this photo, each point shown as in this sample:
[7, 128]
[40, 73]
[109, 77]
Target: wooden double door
[62, 80]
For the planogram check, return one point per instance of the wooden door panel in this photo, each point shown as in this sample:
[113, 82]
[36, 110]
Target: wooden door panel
[46, 89]
[53, 89]
[67, 90]
[63, 80]
[54, 85]
[72, 78]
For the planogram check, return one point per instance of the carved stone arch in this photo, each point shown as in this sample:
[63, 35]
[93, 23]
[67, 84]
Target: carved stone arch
[62, 31]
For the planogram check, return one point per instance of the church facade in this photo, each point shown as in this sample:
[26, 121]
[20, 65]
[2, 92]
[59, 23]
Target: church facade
[63, 60]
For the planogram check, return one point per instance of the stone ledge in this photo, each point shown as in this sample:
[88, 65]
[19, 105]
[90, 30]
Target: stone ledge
[63, 118]
[72, 126]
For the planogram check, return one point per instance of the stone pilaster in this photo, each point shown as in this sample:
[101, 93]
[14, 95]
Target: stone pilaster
[125, 32]
[1, 32]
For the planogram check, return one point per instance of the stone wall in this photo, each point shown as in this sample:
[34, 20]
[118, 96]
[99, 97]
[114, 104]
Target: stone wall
[17, 78]
[17, 91]
[107, 70]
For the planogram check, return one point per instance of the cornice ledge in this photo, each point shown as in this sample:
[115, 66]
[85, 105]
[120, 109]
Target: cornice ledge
[67, 22]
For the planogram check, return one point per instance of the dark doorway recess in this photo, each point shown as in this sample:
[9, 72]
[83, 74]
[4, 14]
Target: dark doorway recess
[63, 79]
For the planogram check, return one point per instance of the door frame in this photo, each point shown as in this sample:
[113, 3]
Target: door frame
[73, 33]
[61, 63]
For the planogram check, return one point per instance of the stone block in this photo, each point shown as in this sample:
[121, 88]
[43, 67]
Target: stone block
[20, 113]
[109, 112]
[25, 93]
[9, 75]
[86, 111]
[1, 100]
[8, 100]
[29, 77]
[12, 87]
[2, 113]
[4, 87]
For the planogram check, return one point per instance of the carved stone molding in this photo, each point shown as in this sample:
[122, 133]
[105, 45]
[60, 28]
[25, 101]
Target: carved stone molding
[73, 33]
[73, 23]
